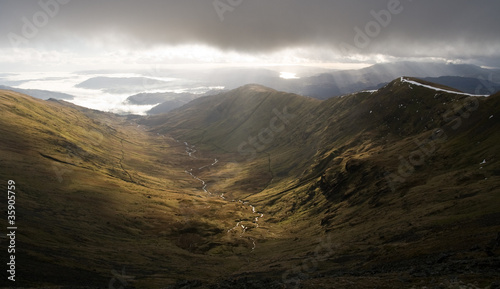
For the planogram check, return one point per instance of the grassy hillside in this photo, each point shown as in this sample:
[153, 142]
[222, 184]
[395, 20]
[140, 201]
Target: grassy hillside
[397, 175]
[97, 193]
[255, 188]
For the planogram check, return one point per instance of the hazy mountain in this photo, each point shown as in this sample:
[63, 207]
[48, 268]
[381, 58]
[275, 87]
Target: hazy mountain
[159, 97]
[467, 84]
[7, 83]
[166, 100]
[337, 83]
[394, 188]
[323, 84]
[38, 93]
[122, 84]
[166, 106]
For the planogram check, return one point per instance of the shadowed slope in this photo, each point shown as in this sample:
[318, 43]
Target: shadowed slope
[382, 170]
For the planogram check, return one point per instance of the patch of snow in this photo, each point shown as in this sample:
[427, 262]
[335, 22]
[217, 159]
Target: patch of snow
[438, 89]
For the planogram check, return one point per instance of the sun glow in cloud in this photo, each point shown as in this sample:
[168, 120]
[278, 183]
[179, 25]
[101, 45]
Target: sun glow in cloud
[30, 59]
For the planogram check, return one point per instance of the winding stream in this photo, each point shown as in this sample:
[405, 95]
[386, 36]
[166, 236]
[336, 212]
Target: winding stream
[190, 151]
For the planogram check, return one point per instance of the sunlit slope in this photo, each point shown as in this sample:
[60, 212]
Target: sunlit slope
[78, 201]
[96, 193]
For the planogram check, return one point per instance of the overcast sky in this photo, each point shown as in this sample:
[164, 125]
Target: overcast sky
[91, 34]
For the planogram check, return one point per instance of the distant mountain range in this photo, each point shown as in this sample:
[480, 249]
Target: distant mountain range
[479, 85]
[171, 89]
[338, 83]
[122, 84]
[468, 78]
[166, 101]
[330, 83]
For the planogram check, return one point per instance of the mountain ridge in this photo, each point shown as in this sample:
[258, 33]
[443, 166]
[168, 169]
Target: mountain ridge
[467, 84]
[338, 83]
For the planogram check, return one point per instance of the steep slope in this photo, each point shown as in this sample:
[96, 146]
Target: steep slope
[396, 176]
[226, 119]
[419, 179]
[99, 198]
[78, 196]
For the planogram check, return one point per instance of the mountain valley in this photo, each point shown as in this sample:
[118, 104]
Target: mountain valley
[256, 188]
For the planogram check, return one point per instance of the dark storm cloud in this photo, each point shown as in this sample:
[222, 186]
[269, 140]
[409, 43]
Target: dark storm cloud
[461, 28]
